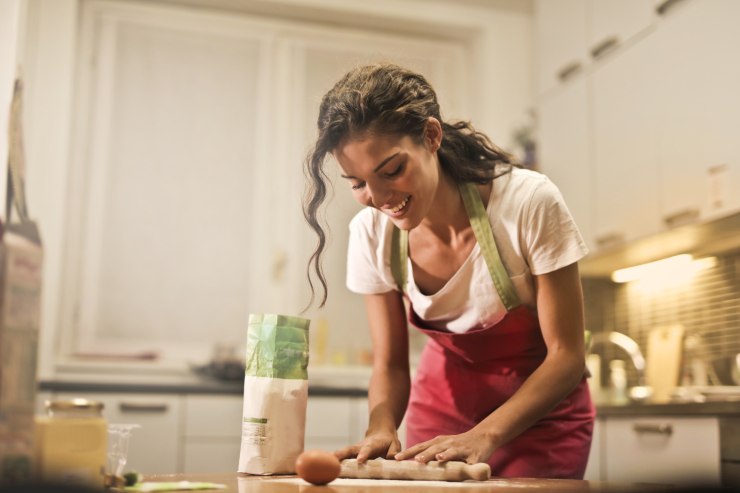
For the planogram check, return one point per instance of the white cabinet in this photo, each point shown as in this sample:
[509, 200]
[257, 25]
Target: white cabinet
[212, 433]
[564, 149]
[624, 156]
[657, 119]
[153, 448]
[569, 34]
[616, 22]
[560, 40]
[699, 111]
[660, 449]
[329, 423]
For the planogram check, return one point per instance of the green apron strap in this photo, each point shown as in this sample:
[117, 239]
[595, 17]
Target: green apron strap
[399, 257]
[483, 234]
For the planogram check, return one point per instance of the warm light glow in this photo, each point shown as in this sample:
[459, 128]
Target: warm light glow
[671, 269]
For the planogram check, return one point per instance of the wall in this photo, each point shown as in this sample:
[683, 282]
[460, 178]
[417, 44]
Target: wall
[500, 35]
[708, 306]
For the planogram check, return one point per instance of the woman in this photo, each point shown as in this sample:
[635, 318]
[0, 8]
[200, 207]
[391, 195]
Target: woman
[482, 255]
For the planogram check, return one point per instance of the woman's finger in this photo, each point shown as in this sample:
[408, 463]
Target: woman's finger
[370, 450]
[414, 450]
[430, 453]
[347, 452]
[452, 453]
[394, 449]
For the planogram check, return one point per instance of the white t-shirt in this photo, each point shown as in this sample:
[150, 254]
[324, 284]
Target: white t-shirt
[534, 232]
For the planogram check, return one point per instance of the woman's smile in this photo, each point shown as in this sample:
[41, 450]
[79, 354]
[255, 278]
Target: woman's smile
[400, 209]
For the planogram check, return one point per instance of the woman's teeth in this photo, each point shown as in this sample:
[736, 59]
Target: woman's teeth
[400, 206]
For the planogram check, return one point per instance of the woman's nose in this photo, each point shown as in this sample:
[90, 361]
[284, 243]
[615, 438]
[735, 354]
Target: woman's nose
[378, 195]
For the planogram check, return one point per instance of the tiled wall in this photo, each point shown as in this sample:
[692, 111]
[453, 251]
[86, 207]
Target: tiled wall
[708, 306]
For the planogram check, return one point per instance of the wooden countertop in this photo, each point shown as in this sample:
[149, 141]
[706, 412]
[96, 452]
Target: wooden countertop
[292, 484]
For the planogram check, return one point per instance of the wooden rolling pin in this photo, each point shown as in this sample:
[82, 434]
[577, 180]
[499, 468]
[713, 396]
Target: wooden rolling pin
[410, 469]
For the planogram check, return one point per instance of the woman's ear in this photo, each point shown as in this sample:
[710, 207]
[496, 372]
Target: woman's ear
[433, 134]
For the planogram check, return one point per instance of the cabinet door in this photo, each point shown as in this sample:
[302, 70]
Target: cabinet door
[624, 120]
[594, 468]
[663, 449]
[154, 447]
[614, 22]
[699, 105]
[560, 40]
[329, 423]
[564, 149]
[212, 433]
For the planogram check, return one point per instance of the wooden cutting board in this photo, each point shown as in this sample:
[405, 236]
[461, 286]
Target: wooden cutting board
[663, 361]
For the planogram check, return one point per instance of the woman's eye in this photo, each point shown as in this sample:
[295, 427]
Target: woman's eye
[395, 172]
[358, 186]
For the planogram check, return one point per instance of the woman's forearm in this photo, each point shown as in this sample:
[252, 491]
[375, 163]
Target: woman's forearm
[388, 396]
[553, 380]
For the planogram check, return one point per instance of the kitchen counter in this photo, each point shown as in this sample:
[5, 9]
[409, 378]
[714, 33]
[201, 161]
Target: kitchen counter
[349, 381]
[708, 408]
[292, 484]
[332, 383]
[324, 381]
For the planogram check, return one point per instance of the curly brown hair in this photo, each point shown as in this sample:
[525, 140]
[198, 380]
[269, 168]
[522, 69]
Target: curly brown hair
[385, 99]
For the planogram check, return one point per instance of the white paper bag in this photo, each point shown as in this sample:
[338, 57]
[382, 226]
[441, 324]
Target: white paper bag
[275, 394]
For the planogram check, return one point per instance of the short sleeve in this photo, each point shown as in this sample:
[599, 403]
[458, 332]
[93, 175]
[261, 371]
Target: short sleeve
[551, 238]
[366, 256]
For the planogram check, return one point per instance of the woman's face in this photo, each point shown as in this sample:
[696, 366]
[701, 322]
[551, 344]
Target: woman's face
[393, 174]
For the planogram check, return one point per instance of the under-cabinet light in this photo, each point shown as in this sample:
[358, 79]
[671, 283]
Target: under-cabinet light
[676, 266]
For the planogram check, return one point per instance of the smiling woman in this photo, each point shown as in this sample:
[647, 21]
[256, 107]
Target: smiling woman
[481, 255]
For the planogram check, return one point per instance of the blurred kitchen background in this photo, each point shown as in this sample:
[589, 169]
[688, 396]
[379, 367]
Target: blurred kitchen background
[164, 143]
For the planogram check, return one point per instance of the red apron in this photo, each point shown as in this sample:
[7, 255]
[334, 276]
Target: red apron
[462, 378]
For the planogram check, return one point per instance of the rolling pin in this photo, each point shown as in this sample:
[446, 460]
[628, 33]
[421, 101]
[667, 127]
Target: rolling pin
[410, 469]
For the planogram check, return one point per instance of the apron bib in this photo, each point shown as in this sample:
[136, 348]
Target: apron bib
[462, 378]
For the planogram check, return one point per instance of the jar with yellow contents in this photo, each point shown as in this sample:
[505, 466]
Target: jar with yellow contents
[71, 443]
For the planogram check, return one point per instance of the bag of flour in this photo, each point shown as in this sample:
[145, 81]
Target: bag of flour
[275, 394]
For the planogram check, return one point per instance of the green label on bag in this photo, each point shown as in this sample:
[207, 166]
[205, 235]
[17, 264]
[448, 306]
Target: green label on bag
[277, 346]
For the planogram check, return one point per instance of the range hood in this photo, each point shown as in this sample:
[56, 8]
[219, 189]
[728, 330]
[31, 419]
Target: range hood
[700, 239]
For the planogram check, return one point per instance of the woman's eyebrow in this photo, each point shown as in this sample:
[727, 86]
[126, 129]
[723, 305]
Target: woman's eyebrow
[377, 168]
[385, 161]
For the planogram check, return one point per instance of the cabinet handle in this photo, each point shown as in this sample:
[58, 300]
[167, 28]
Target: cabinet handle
[609, 239]
[569, 70]
[681, 217]
[605, 46]
[135, 407]
[665, 6]
[658, 429]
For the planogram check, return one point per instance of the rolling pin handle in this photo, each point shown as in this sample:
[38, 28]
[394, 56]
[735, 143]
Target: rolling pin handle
[478, 472]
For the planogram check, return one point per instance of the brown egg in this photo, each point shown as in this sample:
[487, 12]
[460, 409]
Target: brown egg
[317, 466]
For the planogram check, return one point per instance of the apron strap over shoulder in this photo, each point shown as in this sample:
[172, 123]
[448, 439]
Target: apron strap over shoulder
[483, 234]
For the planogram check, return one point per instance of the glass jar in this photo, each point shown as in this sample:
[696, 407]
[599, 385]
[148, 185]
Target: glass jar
[71, 443]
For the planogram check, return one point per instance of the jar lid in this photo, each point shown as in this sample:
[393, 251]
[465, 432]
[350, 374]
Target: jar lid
[74, 405]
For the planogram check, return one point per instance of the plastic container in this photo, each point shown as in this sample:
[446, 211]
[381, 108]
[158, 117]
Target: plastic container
[119, 436]
[71, 443]
[618, 379]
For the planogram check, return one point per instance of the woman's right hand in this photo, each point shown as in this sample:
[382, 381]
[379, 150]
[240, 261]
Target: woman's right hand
[378, 444]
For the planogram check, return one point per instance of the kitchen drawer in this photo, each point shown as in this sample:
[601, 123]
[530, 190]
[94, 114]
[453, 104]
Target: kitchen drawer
[329, 418]
[213, 416]
[673, 450]
[730, 443]
[154, 447]
[211, 455]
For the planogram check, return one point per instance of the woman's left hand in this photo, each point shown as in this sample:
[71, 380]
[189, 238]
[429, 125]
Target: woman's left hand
[472, 447]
